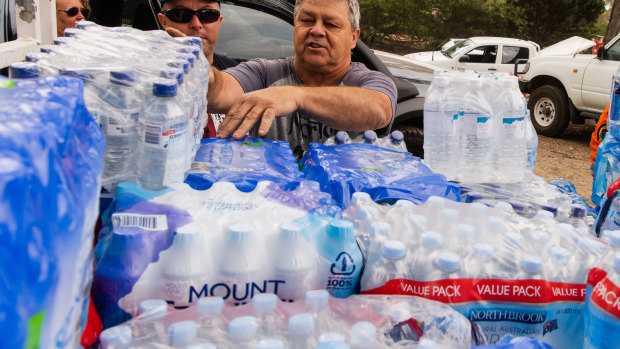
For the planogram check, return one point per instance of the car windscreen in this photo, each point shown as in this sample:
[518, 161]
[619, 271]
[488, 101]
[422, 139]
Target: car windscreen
[248, 33]
[452, 51]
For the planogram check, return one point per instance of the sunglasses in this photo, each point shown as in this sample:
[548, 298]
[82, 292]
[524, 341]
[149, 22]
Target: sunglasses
[184, 15]
[73, 11]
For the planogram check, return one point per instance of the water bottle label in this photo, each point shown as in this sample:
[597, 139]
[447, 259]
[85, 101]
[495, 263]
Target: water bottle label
[531, 158]
[469, 125]
[146, 222]
[483, 128]
[114, 127]
[163, 135]
[602, 315]
[343, 275]
[514, 128]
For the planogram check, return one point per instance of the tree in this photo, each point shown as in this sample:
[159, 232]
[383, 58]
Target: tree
[613, 28]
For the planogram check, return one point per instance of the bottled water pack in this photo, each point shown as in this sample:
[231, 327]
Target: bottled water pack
[476, 128]
[506, 272]
[606, 168]
[395, 141]
[51, 153]
[244, 162]
[386, 175]
[319, 321]
[152, 127]
[181, 245]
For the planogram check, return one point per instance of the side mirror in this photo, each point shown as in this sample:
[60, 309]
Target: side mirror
[600, 54]
[464, 59]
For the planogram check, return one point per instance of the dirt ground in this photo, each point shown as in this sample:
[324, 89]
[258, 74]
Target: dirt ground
[568, 157]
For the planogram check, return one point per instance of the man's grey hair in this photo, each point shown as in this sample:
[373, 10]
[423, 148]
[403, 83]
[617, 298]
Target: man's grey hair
[354, 12]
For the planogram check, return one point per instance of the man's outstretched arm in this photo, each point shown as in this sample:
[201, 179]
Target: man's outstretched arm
[224, 91]
[339, 107]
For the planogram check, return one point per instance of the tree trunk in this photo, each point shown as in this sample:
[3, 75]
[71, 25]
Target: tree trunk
[614, 22]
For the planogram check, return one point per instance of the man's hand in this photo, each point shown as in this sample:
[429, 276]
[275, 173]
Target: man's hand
[264, 105]
[175, 32]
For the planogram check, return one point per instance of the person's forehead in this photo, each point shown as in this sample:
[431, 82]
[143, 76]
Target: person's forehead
[189, 3]
[306, 8]
[63, 4]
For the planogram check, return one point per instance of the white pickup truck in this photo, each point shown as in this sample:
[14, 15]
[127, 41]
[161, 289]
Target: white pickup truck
[566, 86]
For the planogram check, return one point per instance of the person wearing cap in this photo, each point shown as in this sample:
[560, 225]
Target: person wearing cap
[68, 13]
[200, 18]
[310, 96]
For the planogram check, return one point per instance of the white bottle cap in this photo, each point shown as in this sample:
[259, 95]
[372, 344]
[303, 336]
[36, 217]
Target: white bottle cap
[432, 239]
[404, 204]
[360, 197]
[559, 254]
[531, 264]
[301, 324]
[240, 233]
[291, 231]
[316, 299]
[369, 136]
[340, 229]
[363, 332]
[504, 206]
[449, 262]
[380, 228]
[269, 343]
[153, 307]
[394, 249]
[540, 237]
[210, 306]
[496, 224]
[436, 201]
[465, 231]
[484, 251]
[264, 303]
[544, 215]
[329, 337]
[181, 333]
[513, 238]
[243, 328]
[115, 337]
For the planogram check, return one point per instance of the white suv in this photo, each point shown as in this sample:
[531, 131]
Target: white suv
[482, 54]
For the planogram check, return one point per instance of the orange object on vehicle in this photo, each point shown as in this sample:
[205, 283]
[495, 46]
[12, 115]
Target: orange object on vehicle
[599, 133]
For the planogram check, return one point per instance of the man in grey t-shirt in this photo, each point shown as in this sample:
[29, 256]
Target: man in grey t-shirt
[309, 96]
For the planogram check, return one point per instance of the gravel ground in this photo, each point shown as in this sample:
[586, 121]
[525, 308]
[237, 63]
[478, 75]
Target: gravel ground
[568, 157]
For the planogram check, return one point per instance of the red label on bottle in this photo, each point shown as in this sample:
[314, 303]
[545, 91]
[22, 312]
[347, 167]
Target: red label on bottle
[606, 295]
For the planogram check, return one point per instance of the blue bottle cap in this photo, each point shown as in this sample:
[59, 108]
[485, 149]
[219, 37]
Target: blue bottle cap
[210, 306]
[188, 57]
[71, 32]
[153, 306]
[243, 327]
[551, 209]
[397, 137]
[449, 262]
[192, 40]
[369, 136]
[193, 50]
[531, 264]
[240, 233]
[316, 299]
[560, 254]
[164, 87]
[342, 137]
[173, 73]
[179, 63]
[291, 231]
[77, 73]
[518, 206]
[264, 303]
[181, 333]
[34, 56]
[484, 250]
[301, 324]
[380, 228]
[24, 70]
[394, 249]
[363, 332]
[62, 40]
[432, 239]
[332, 337]
[341, 229]
[473, 196]
[47, 48]
[577, 211]
[617, 262]
[418, 221]
[85, 24]
[487, 202]
[123, 76]
[269, 343]
[115, 337]
[514, 238]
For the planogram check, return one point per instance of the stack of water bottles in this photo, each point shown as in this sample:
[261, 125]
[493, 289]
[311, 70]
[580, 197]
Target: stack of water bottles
[181, 244]
[477, 128]
[502, 270]
[318, 321]
[607, 165]
[395, 141]
[51, 155]
[146, 90]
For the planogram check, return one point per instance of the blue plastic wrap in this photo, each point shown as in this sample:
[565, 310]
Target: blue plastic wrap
[512, 342]
[386, 175]
[51, 158]
[566, 187]
[606, 168]
[244, 162]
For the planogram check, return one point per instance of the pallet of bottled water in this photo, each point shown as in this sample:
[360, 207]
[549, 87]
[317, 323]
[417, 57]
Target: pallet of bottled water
[318, 321]
[146, 90]
[506, 272]
[386, 175]
[244, 162]
[477, 128]
[395, 141]
[182, 244]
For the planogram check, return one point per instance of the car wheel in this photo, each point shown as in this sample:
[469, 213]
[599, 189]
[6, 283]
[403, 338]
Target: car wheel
[414, 139]
[549, 110]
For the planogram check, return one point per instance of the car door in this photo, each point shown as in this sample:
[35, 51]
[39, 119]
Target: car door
[481, 58]
[597, 78]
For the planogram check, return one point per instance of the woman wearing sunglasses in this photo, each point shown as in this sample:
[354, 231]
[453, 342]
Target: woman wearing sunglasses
[68, 13]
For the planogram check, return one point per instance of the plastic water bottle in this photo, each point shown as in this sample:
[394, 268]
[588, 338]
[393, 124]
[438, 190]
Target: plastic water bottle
[340, 247]
[294, 264]
[393, 266]
[184, 266]
[560, 259]
[188, 104]
[577, 217]
[119, 122]
[511, 155]
[162, 128]
[264, 308]
[301, 330]
[341, 137]
[317, 304]
[397, 141]
[240, 266]
[242, 332]
[422, 268]
[182, 333]
[193, 82]
[531, 268]
[153, 330]
[465, 234]
[23, 70]
[531, 141]
[211, 327]
[363, 335]
[117, 337]
[613, 120]
[440, 147]
[480, 264]
[448, 266]
[332, 337]
[269, 343]
[474, 127]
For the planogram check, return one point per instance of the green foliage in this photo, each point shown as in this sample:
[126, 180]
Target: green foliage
[430, 23]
